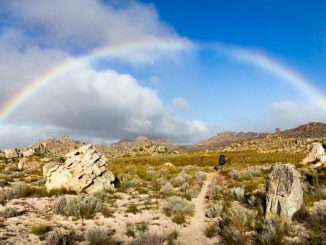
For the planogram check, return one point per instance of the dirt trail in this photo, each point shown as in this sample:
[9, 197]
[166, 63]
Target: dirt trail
[194, 233]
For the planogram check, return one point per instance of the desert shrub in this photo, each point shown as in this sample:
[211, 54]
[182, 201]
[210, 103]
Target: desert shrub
[57, 238]
[10, 212]
[214, 211]
[180, 179]
[236, 221]
[99, 235]
[21, 189]
[273, 231]
[211, 231]
[79, 207]
[215, 192]
[130, 231]
[249, 172]
[141, 226]
[185, 187]
[167, 189]
[238, 192]
[3, 180]
[171, 237]
[318, 213]
[200, 176]
[193, 191]
[302, 215]
[39, 229]
[132, 208]
[176, 205]
[230, 235]
[149, 239]
[179, 219]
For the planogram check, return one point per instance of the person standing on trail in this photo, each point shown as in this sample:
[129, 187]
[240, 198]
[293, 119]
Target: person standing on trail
[221, 162]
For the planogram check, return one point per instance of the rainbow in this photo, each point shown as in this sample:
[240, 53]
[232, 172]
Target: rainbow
[13, 103]
[245, 55]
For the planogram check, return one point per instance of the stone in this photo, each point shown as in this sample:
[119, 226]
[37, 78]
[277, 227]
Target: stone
[11, 153]
[284, 195]
[84, 171]
[21, 164]
[169, 165]
[48, 166]
[28, 153]
[317, 151]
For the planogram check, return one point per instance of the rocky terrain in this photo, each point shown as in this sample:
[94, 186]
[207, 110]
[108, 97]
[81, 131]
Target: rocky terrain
[291, 140]
[143, 192]
[141, 146]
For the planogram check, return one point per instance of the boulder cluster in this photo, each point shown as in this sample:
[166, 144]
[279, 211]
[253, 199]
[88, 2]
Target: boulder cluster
[84, 170]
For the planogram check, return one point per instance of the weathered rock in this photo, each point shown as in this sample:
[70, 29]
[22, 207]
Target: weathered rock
[169, 165]
[48, 166]
[11, 153]
[317, 152]
[21, 164]
[84, 171]
[28, 153]
[284, 195]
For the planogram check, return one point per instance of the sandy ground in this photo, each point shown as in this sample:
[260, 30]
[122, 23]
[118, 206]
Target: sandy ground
[194, 234]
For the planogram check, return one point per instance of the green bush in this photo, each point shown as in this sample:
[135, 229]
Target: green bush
[39, 229]
[176, 205]
[79, 207]
[99, 235]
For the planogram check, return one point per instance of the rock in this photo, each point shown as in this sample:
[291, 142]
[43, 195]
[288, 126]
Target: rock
[317, 151]
[84, 171]
[48, 166]
[284, 195]
[22, 164]
[169, 165]
[11, 153]
[28, 153]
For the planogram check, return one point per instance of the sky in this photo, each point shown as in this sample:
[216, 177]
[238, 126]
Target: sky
[105, 70]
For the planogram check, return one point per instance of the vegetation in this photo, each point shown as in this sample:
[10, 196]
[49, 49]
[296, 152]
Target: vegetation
[78, 206]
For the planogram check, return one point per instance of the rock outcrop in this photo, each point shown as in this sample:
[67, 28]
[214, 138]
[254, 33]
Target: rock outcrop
[28, 152]
[84, 171]
[56, 147]
[316, 156]
[284, 195]
[48, 166]
[11, 153]
[21, 164]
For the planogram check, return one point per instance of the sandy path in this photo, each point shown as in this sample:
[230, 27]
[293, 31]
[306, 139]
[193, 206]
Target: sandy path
[194, 233]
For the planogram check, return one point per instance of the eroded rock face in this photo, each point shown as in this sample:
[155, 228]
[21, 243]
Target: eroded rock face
[11, 153]
[84, 171]
[284, 195]
[316, 156]
[28, 153]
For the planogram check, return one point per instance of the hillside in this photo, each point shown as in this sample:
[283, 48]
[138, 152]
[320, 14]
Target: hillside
[227, 137]
[309, 130]
[290, 140]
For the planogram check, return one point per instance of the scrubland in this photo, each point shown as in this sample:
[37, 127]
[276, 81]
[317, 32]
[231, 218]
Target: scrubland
[159, 200]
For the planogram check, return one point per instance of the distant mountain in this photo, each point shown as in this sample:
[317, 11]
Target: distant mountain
[309, 130]
[227, 137]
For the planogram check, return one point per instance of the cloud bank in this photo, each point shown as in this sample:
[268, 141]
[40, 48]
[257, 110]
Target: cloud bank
[86, 103]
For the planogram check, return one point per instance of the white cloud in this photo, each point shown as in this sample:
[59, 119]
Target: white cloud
[88, 24]
[288, 114]
[106, 105]
[180, 103]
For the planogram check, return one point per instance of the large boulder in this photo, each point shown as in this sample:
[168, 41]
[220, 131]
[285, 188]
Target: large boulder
[48, 166]
[11, 153]
[28, 153]
[84, 171]
[284, 195]
[317, 153]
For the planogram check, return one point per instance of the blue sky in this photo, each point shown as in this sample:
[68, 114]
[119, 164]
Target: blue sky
[214, 79]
